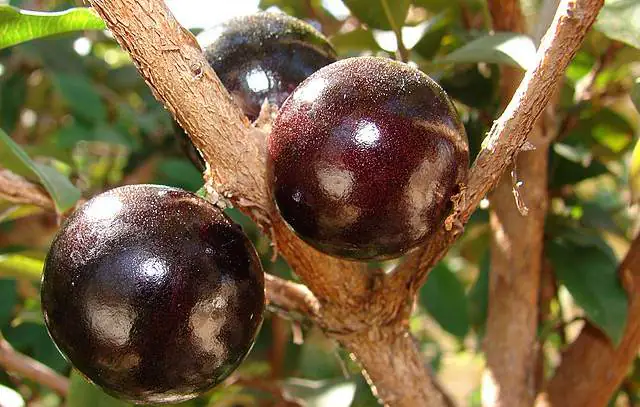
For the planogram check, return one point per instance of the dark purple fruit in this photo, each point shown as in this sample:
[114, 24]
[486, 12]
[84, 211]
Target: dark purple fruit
[264, 56]
[364, 157]
[152, 293]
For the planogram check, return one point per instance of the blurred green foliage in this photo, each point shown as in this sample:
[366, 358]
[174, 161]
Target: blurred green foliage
[80, 120]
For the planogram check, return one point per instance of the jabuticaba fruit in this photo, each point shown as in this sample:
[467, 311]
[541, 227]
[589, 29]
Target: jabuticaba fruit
[152, 293]
[264, 56]
[257, 57]
[364, 157]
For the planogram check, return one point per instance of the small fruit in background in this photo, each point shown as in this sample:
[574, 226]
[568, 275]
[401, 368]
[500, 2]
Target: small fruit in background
[364, 158]
[264, 56]
[260, 56]
[152, 293]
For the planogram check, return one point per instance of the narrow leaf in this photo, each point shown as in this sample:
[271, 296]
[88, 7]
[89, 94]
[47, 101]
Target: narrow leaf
[444, 298]
[17, 265]
[589, 272]
[18, 26]
[62, 191]
[501, 48]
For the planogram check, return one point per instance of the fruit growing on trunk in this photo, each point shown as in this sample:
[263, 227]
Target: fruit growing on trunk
[152, 293]
[258, 57]
[364, 157]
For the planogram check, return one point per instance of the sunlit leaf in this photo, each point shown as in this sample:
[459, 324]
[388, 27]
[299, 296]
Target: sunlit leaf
[18, 26]
[501, 48]
[17, 265]
[589, 272]
[62, 191]
[444, 298]
[354, 41]
[431, 39]
[620, 20]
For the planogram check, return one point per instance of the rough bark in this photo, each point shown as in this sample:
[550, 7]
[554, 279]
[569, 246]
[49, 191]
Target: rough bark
[508, 134]
[366, 312]
[510, 343]
[592, 368]
[174, 67]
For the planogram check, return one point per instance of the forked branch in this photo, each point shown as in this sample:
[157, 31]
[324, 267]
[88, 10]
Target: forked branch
[509, 133]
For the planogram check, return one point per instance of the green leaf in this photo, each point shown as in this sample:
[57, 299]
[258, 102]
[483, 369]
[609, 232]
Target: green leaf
[13, 94]
[444, 298]
[431, 39]
[501, 48]
[83, 393]
[588, 270]
[381, 14]
[634, 173]
[635, 94]
[62, 191]
[81, 97]
[470, 86]
[354, 41]
[8, 300]
[478, 296]
[620, 20]
[17, 265]
[18, 26]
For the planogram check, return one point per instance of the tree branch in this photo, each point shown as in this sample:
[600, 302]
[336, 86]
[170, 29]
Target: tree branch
[366, 312]
[14, 188]
[510, 342]
[592, 368]
[16, 362]
[176, 70]
[508, 134]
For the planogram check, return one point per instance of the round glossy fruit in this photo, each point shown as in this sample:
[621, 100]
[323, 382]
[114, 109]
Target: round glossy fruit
[264, 56]
[364, 157]
[152, 293]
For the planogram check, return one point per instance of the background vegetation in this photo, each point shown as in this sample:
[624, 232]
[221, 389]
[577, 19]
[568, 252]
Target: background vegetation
[76, 117]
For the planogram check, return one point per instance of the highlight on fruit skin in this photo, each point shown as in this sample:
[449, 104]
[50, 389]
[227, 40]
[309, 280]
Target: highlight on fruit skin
[264, 56]
[152, 293]
[364, 157]
[260, 56]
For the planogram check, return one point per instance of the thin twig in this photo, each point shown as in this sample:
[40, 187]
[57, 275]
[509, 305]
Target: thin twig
[16, 362]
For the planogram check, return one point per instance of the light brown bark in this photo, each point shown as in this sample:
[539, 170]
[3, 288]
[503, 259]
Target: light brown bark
[508, 134]
[510, 343]
[592, 368]
[366, 312]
